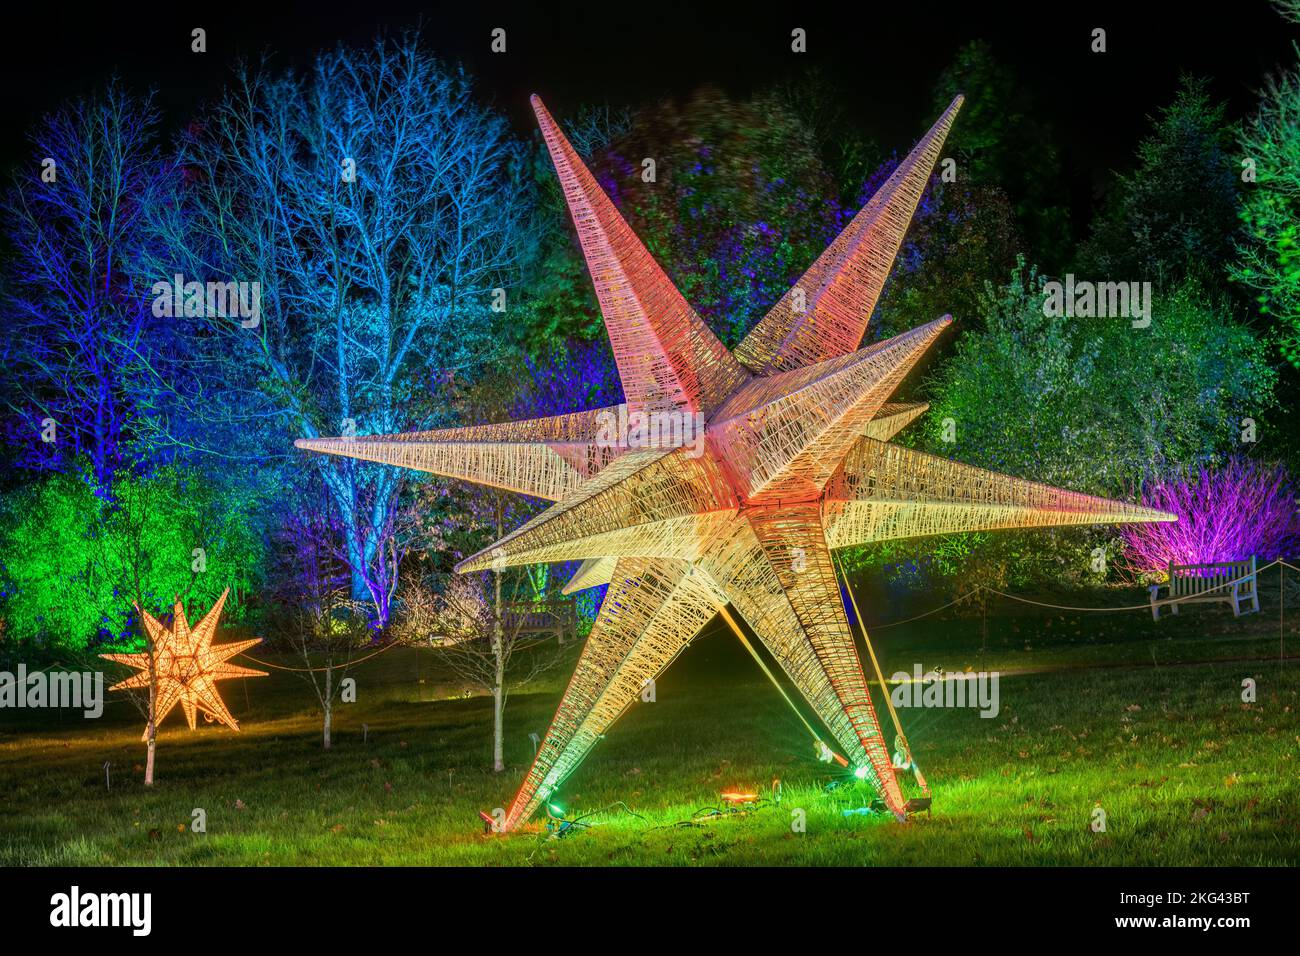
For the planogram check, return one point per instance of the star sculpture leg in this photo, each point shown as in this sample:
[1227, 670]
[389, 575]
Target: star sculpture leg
[796, 463]
[187, 666]
[652, 610]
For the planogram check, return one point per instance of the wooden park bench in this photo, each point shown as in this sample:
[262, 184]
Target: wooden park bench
[1230, 581]
[542, 617]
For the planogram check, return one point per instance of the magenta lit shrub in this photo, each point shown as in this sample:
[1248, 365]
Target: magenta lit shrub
[1229, 514]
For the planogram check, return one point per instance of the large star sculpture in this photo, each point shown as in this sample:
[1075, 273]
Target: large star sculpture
[187, 664]
[796, 462]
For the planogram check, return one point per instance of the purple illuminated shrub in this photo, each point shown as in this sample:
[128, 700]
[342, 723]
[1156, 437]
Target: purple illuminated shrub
[1229, 514]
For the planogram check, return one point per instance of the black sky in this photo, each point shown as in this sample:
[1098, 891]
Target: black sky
[885, 58]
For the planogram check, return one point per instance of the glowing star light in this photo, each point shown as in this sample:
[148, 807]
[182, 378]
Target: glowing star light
[796, 463]
[187, 664]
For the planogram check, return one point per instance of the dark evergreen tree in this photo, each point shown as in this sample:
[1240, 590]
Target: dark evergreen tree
[1176, 213]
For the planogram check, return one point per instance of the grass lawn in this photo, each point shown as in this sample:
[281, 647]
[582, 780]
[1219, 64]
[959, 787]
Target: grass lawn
[1185, 771]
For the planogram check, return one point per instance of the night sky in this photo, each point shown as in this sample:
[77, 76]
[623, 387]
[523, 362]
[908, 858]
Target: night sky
[884, 58]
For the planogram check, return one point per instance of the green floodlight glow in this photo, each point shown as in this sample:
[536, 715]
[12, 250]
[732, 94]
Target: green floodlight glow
[555, 809]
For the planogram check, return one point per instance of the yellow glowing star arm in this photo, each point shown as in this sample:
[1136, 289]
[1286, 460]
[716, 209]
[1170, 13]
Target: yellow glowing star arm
[827, 310]
[206, 697]
[139, 661]
[887, 491]
[206, 629]
[644, 504]
[543, 457]
[170, 693]
[784, 436]
[651, 612]
[893, 417]
[592, 572]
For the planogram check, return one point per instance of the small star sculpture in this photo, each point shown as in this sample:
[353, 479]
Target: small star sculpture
[187, 664]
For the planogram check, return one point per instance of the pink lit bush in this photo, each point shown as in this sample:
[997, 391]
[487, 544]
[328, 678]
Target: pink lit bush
[1229, 514]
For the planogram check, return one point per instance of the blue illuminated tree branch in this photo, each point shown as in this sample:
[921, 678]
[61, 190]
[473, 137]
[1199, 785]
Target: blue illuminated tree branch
[380, 208]
[75, 314]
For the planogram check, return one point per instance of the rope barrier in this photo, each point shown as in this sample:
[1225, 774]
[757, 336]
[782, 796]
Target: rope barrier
[941, 607]
[1062, 607]
[1066, 607]
[308, 670]
[875, 627]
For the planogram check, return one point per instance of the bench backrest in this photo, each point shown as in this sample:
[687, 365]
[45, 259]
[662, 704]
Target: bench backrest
[544, 616]
[1189, 580]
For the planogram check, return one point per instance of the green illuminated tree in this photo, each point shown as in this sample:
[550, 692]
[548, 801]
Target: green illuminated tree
[1090, 404]
[1268, 261]
[74, 561]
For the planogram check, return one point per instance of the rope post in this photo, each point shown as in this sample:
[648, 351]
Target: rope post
[984, 626]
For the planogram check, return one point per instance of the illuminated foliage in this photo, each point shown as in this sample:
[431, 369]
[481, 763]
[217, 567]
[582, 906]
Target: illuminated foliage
[74, 562]
[381, 208]
[741, 202]
[1095, 402]
[962, 238]
[1004, 140]
[75, 314]
[1230, 513]
[1089, 403]
[1268, 262]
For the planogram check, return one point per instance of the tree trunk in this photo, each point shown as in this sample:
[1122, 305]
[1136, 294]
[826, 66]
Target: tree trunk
[499, 661]
[151, 736]
[148, 760]
[498, 729]
[360, 590]
[329, 701]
